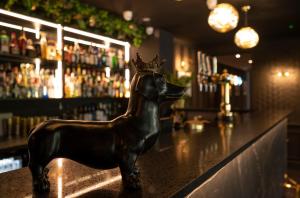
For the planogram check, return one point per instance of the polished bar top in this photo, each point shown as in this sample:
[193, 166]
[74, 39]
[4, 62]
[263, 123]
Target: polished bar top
[178, 162]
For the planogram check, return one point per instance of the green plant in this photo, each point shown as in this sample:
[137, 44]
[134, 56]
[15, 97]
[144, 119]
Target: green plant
[183, 81]
[79, 15]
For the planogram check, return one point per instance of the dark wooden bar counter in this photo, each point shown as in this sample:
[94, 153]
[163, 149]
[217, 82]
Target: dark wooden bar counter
[182, 163]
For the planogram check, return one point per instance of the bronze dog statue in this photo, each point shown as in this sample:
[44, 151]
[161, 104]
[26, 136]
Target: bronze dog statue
[106, 145]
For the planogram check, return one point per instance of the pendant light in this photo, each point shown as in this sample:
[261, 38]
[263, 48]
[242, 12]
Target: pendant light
[128, 13]
[223, 18]
[211, 4]
[246, 37]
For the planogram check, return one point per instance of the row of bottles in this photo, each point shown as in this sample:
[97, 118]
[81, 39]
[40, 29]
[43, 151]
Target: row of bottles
[94, 83]
[76, 54]
[28, 82]
[44, 48]
[25, 82]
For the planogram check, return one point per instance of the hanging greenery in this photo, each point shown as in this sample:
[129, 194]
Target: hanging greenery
[79, 15]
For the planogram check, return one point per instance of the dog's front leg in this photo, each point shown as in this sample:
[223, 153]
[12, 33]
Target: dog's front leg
[129, 171]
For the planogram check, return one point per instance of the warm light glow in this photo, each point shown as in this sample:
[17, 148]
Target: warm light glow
[127, 52]
[59, 39]
[182, 63]
[107, 72]
[127, 84]
[59, 187]
[286, 74]
[287, 185]
[279, 74]
[250, 61]
[246, 38]
[223, 18]
[91, 188]
[236, 80]
[37, 28]
[58, 87]
[237, 56]
[127, 74]
[59, 162]
[37, 62]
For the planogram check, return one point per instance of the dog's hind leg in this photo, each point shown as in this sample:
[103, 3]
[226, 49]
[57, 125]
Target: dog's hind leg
[129, 171]
[39, 157]
[40, 180]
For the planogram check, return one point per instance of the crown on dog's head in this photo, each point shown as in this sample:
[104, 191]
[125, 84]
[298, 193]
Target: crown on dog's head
[152, 66]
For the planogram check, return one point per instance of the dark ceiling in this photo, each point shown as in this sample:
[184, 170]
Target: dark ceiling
[187, 19]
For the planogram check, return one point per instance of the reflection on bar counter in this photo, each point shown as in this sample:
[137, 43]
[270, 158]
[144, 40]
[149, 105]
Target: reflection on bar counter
[10, 164]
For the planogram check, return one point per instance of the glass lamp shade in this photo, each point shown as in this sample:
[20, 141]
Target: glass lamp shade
[246, 38]
[127, 15]
[223, 18]
[211, 4]
[149, 30]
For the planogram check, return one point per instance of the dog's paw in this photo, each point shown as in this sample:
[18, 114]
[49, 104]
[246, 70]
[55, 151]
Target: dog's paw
[136, 171]
[42, 184]
[132, 181]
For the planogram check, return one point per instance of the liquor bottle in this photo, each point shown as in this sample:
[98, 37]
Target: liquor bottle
[37, 47]
[76, 51]
[95, 55]
[99, 58]
[78, 81]
[51, 91]
[8, 81]
[66, 54]
[51, 50]
[109, 58]
[22, 43]
[82, 58]
[73, 54]
[104, 58]
[2, 79]
[30, 51]
[90, 55]
[43, 44]
[14, 47]
[121, 59]
[67, 83]
[4, 42]
[114, 61]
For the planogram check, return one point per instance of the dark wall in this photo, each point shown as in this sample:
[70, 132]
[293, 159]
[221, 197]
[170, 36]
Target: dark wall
[160, 43]
[166, 50]
[269, 91]
[148, 49]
